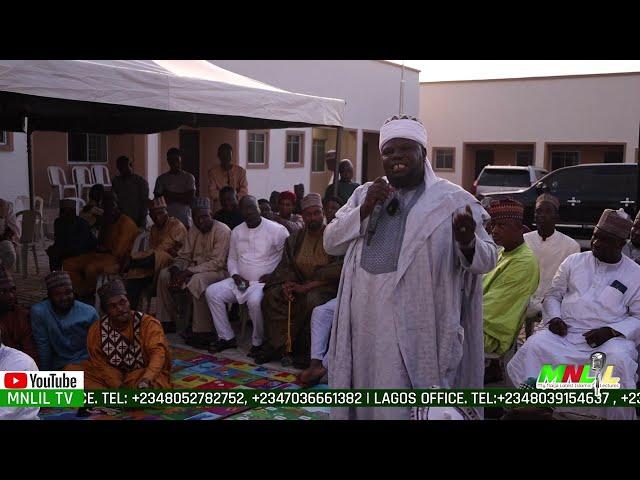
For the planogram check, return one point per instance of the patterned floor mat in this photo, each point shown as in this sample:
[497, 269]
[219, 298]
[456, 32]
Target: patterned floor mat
[202, 371]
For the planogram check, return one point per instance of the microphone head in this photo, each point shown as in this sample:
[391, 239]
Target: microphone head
[598, 360]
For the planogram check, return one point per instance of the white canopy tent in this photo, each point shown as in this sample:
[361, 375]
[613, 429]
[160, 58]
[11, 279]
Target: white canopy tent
[147, 96]
[191, 91]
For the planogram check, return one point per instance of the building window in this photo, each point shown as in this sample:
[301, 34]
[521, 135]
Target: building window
[524, 158]
[319, 150]
[257, 151]
[295, 150]
[6, 141]
[564, 159]
[613, 157]
[445, 158]
[87, 148]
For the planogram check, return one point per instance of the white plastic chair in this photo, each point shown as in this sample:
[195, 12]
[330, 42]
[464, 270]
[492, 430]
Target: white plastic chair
[38, 205]
[101, 175]
[22, 203]
[139, 245]
[30, 219]
[58, 180]
[83, 179]
[80, 203]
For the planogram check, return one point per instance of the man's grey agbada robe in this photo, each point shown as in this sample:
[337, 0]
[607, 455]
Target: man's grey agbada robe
[419, 325]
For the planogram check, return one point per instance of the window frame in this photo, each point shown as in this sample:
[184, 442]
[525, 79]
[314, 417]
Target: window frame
[300, 163]
[86, 161]
[565, 152]
[528, 152]
[313, 161]
[7, 145]
[434, 155]
[265, 163]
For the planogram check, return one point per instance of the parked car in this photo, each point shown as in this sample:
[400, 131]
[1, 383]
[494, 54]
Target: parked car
[584, 192]
[495, 178]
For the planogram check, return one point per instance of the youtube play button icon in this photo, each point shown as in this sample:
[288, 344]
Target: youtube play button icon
[15, 380]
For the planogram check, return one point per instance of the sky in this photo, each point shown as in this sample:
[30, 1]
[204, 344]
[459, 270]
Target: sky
[441, 70]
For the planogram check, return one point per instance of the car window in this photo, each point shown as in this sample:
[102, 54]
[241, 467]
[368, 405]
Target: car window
[498, 177]
[614, 181]
[568, 181]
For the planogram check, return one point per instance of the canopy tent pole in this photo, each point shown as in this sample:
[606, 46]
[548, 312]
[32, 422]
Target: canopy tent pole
[29, 131]
[336, 175]
[401, 102]
[638, 173]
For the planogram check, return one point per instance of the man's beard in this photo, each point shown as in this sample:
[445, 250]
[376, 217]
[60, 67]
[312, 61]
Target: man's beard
[206, 228]
[314, 226]
[65, 308]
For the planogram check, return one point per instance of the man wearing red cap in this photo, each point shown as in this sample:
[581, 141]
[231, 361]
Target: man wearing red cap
[285, 216]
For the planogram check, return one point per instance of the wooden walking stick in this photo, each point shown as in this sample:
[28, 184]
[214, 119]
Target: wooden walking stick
[286, 361]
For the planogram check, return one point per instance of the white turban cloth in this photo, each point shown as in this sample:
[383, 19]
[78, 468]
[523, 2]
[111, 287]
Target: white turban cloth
[403, 128]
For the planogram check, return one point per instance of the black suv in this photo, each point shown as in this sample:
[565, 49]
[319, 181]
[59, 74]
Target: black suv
[584, 192]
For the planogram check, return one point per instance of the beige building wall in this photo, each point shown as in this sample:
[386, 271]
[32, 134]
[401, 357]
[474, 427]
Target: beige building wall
[348, 149]
[588, 109]
[320, 180]
[50, 149]
[210, 139]
[503, 154]
[588, 153]
[374, 163]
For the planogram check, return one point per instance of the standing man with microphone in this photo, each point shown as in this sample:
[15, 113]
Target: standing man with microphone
[409, 307]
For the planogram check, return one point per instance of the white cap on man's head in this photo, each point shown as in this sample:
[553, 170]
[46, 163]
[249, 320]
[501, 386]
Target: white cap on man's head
[403, 126]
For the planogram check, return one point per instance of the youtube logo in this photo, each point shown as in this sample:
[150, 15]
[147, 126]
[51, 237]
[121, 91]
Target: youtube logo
[15, 380]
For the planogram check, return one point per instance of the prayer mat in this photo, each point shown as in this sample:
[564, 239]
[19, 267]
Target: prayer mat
[196, 370]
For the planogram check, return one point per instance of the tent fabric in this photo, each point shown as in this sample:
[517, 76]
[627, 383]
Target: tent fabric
[145, 96]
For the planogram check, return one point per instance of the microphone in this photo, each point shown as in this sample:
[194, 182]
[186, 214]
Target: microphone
[598, 361]
[373, 221]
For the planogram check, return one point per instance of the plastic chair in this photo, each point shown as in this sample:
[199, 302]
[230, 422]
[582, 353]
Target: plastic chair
[139, 245]
[101, 175]
[58, 180]
[83, 179]
[22, 203]
[38, 205]
[80, 203]
[30, 219]
[503, 358]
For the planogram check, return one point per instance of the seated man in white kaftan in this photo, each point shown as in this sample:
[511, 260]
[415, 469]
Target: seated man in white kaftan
[593, 305]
